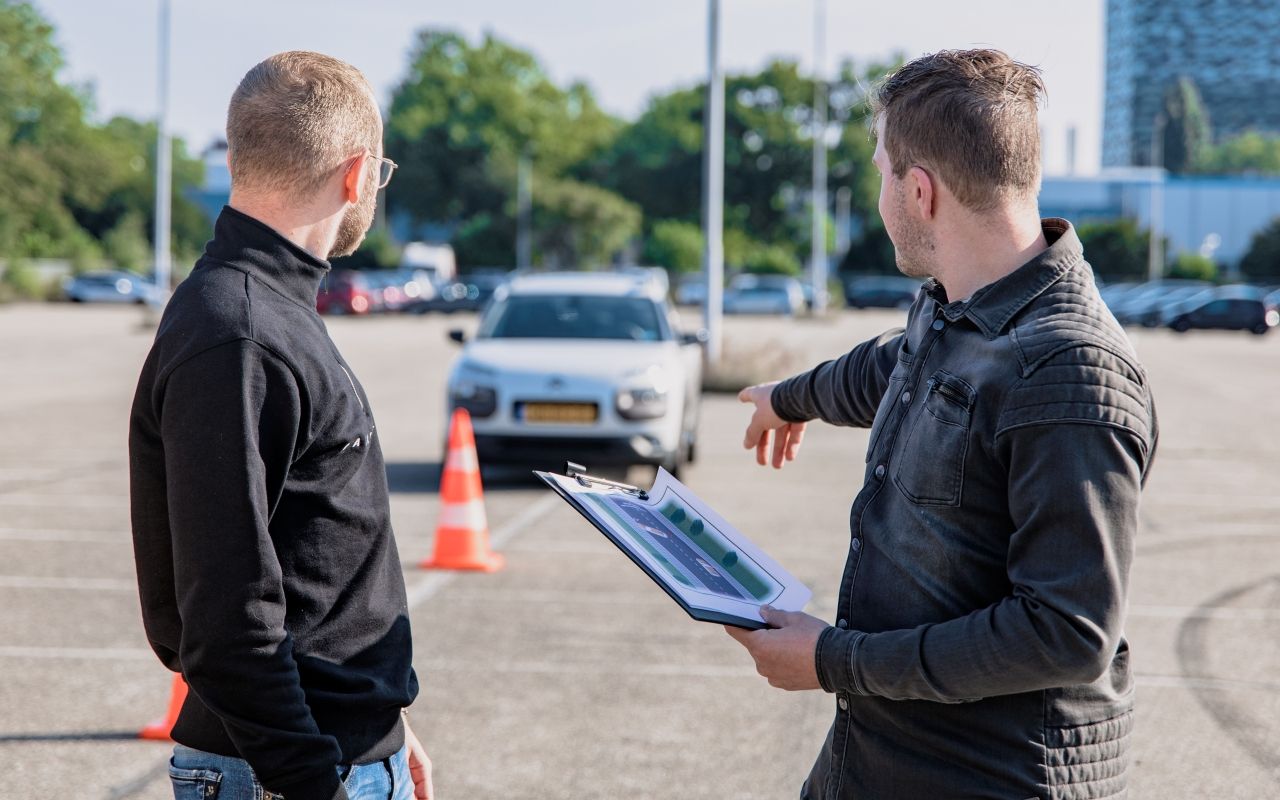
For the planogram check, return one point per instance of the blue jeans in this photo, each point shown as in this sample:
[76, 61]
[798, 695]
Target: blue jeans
[197, 775]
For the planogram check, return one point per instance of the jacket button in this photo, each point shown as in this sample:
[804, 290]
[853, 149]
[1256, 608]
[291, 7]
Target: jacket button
[906, 398]
[844, 704]
[879, 470]
[938, 325]
[844, 623]
[856, 544]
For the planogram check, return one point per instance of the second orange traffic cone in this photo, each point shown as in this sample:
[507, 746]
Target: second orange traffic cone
[462, 530]
[159, 729]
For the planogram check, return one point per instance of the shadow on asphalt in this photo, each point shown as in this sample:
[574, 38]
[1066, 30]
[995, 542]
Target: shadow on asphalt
[72, 736]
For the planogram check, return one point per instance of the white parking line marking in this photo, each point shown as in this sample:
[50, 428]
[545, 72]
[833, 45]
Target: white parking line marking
[423, 590]
[86, 653]
[65, 500]
[568, 668]
[62, 535]
[75, 584]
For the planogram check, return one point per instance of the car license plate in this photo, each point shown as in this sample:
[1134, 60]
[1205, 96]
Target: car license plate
[560, 413]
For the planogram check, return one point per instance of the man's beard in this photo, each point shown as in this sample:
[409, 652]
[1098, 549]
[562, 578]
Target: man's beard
[355, 224]
[913, 246]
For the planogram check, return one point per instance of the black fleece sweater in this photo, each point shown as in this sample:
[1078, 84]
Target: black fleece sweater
[267, 568]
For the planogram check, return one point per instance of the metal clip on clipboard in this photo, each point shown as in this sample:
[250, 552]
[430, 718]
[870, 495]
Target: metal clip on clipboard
[579, 473]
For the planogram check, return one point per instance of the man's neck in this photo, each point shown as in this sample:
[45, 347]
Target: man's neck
[985, 248]
[307, 230]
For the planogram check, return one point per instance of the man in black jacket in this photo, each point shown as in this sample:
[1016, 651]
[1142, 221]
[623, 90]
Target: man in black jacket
[979, 646]
[267, 568]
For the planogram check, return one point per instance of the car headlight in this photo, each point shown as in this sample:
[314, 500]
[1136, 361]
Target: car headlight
[643, 394]
[479, 400]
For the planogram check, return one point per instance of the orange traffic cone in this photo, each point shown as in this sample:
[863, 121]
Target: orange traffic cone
[462, 530]
[159, 729]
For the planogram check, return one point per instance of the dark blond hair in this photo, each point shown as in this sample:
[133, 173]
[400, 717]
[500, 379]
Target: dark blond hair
[970, 117]
[295, 118]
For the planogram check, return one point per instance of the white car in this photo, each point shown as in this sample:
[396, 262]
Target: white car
[583, 367]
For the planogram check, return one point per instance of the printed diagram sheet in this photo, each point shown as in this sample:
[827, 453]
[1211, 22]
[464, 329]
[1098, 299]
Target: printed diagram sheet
[714, 572]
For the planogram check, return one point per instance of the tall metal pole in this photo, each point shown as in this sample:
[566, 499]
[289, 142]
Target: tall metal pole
[164, 163]
[1155, 253]
[818, 246]
[844, 203]
[713, 188]
[524, 209]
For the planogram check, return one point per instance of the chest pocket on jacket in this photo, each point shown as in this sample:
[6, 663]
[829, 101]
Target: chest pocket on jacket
[931, 461]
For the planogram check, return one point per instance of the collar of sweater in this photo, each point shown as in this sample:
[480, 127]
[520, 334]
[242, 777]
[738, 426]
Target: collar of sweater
[247, 244]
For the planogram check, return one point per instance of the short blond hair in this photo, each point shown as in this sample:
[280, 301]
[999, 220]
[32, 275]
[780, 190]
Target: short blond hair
[971, 115]
[295, 118]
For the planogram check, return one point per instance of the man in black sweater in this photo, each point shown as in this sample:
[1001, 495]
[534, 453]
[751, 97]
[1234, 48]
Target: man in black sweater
[267, 568]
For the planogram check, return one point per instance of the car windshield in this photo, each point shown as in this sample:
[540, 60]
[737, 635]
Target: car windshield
[573, 317]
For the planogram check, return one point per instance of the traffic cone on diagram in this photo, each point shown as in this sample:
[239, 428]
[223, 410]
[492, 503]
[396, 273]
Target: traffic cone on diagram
[462, 529]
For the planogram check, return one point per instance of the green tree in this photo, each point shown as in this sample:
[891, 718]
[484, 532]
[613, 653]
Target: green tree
[69, 182]
[1116, 250]
[656, 161]
[772, 259]
[1193, 266]
[577, 224]
[459, 123]
[1187, 130]
[1262, 261]
[1249, 153]
[126, 243]
[675, 245]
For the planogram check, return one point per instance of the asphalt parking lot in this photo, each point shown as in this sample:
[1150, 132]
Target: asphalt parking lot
[568, 675]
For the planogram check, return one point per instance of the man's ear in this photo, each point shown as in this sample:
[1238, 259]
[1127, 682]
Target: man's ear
[924, 193]
[353, 180]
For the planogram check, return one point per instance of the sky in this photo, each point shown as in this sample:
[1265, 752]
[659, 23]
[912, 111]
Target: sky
[625, 52]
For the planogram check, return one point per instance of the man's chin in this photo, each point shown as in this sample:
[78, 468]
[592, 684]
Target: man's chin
[347, 248]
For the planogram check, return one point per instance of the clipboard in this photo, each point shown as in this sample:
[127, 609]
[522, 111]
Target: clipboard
[708, 567]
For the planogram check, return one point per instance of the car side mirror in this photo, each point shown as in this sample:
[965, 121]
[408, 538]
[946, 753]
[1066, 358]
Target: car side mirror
[458, 335]
[700, 336]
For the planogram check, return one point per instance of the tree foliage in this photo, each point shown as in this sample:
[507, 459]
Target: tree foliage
[1193, 266]
[1116, 250]
[1262, 261]
[1187, 131]
[67, 181]
[1250, 153]
[459, 123]
[675, 245]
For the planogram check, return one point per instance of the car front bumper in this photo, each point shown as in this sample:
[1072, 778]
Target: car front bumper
[550, 452]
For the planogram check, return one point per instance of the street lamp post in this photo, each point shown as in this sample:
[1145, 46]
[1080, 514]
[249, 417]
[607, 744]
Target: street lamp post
[818, 201]
[713, 188]
[164, 164]
[1155, 251]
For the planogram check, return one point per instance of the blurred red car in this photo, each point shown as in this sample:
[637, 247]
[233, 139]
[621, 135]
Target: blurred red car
[345, 292]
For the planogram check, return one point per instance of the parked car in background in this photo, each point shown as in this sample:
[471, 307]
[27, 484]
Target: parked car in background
[1143, 304]
[1113, 293]
[588, 367]
[346, 292]
[386, 292]
[881, 291]
[471, 292]
[110, 287]
[691, 290]
[764, 294]
[1235, 308]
